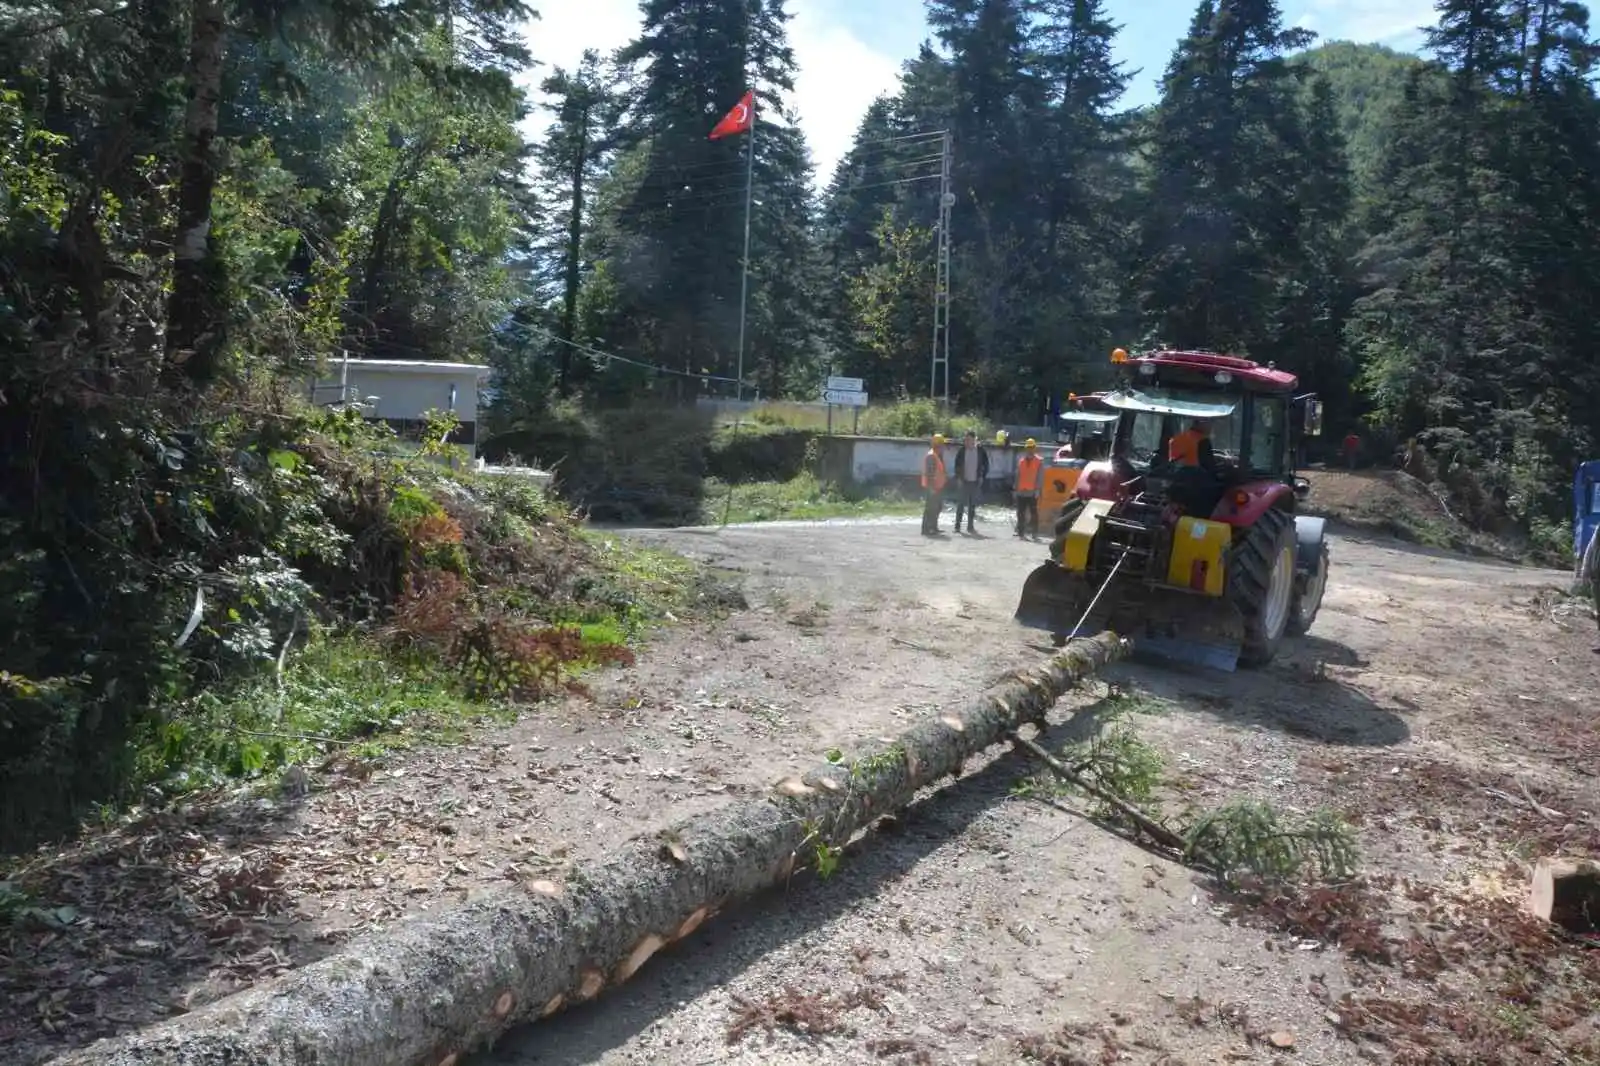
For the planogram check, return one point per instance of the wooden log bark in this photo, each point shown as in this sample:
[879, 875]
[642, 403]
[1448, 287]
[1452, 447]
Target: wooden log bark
[1566, 892]
[438, 986]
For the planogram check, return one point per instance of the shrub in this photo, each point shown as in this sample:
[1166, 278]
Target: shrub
[918, 418]
[495, 654]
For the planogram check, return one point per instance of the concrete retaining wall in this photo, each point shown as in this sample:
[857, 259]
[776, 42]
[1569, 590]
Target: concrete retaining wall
[882, 462]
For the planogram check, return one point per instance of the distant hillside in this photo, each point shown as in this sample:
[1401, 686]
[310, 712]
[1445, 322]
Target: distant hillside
[1367, 82]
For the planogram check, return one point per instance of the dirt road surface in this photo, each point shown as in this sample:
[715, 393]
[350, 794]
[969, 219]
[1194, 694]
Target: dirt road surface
[1442, 705]
[986, 928]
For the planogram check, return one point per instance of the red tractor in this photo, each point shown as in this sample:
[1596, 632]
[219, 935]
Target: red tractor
[1186, 538]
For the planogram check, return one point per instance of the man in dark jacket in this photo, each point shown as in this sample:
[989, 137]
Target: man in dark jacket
[970, 471]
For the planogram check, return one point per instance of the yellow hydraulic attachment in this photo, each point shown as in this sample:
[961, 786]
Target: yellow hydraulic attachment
[1198, 545]
[1080, 536]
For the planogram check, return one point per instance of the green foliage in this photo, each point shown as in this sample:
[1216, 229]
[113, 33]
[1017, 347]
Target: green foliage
[337, 694]
[643, 464]
[1248, 839]
[1118, 761]
[920, 418]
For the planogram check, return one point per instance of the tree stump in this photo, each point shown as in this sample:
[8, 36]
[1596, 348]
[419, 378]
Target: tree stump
[1566, 892]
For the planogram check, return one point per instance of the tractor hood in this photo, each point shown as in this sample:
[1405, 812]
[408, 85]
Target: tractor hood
[1134, 400]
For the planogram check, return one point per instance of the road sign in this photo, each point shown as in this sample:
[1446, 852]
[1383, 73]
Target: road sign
[844, 399]
[844, 385]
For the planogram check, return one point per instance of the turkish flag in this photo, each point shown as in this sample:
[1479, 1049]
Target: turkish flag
[739, 120]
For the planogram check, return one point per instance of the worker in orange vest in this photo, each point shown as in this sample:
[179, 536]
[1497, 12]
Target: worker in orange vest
[1030, 476]
[933, 481]
[1192, 447]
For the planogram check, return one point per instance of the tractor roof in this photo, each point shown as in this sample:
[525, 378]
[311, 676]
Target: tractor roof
[1156, 403]
[1249, 375]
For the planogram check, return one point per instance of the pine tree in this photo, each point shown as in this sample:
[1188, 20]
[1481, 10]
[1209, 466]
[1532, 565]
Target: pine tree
[1315, 296]
[1226, 150]
[586, 109]
[680, 235]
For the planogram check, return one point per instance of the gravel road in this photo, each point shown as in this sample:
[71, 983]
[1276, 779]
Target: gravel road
[987, 928]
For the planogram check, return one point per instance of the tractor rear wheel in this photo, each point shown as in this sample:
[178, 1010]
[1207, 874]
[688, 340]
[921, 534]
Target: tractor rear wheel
[1308, 596]
[1261, 585]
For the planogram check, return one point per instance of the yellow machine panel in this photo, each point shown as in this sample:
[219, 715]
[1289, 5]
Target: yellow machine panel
[1075, 551]
[1060, 478]
[1197, 549]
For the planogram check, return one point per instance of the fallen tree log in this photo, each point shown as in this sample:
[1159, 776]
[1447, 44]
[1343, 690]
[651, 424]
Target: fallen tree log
[435, 987]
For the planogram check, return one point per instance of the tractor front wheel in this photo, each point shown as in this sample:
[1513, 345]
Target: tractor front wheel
[1308, 597]
[1261, 585]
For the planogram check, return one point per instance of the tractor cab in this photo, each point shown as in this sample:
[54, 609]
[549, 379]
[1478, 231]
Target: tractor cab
[1086, 428]
[1187, 531]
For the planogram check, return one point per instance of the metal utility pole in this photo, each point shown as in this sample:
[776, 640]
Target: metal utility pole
[744, 271]
[940, 383]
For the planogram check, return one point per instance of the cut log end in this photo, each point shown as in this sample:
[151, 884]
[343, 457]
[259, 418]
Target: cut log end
[793, 786]
[545, 888]
[503, 1005]
[691, 923]
[591, 984]
[556, 1003]
[952, 722]
[1566, 892]
[450, 1059]
[641, 953]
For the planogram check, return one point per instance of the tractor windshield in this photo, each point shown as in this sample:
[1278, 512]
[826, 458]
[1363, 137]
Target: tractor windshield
[1150, 419]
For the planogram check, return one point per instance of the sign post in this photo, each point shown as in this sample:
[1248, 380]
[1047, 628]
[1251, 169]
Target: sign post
[844, 392]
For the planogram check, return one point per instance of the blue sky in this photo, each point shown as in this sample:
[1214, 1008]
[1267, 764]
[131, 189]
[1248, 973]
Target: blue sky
[850, 51]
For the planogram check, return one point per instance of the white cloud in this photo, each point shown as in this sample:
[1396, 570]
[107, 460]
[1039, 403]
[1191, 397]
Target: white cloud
[561, 33]
[838, 79]
[1391, 22]
[838, 75]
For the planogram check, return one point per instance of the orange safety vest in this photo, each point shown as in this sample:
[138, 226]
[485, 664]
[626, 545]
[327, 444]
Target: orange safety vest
[1028, 468]
[1185, 448]
[934, 462]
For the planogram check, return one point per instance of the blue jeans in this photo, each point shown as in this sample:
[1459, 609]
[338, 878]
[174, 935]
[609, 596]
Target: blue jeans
[968, 502]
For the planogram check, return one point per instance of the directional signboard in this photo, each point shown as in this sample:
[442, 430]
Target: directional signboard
[837, 384]
[843, 398]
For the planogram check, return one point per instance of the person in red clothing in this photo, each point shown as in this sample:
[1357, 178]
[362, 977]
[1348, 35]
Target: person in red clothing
[1352, 445]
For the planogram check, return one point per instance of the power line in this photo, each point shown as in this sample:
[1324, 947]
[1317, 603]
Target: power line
[598, 354]
[931, 136]
[896, 164]
[886, 184]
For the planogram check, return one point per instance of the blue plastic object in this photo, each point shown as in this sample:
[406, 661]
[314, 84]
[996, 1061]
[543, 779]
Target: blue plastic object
[1585, 505]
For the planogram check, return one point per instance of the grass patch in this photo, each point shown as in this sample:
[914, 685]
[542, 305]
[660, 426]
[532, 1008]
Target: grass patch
[803, 497]
[339, 693]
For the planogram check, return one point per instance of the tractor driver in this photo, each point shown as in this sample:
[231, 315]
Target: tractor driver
[1192, 447]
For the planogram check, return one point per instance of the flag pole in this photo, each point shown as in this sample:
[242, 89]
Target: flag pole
[744, 273]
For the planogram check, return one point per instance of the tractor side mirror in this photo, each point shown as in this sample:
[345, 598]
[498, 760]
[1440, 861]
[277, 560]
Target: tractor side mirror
[1302, 488]
[1313, 426]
